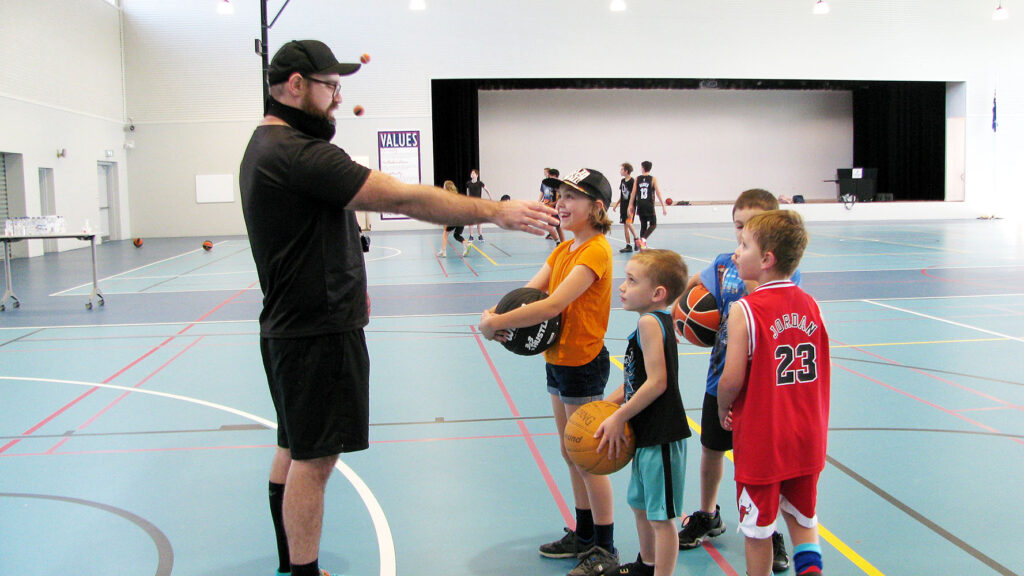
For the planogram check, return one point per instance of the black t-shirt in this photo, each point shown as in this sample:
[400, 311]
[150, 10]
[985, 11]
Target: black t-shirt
[625, 190]
[475, 188]
[304, 241]
[664, 420]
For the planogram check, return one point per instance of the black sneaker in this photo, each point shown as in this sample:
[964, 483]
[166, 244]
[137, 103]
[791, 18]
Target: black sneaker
[628, 248]
[780, 559]
[567, 547]
[637, 568]
[596, 562]
[699, 527]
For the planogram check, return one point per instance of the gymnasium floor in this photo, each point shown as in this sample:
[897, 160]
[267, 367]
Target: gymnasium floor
[135, 438]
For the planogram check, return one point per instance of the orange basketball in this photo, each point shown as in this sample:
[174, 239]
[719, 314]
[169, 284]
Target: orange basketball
[696, 317]
[207, 245]
[581, 445]
[365, 58]
[358, 110]
[137, 242]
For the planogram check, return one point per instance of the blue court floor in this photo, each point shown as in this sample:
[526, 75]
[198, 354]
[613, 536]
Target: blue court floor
[136, 437]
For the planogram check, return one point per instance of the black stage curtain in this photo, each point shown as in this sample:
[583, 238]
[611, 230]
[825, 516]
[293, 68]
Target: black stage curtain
[455, 110]
[899, 128]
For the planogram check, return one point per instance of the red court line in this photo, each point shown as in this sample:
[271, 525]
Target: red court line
[124, 369]
[567, 514]
[441, 264]
[727, 569]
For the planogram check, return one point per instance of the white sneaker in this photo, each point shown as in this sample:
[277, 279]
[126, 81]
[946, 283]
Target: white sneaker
[442, 254]
[465, 248]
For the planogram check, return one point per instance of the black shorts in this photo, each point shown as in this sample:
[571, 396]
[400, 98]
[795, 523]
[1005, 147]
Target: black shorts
[320, 388]
[712, 435]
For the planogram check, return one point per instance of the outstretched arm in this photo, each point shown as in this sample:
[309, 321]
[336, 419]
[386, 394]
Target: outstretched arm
[383, 193]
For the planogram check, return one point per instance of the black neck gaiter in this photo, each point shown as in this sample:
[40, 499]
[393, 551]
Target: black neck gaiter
[321, 128]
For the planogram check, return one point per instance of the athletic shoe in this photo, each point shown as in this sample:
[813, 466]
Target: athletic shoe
[637, 568]
[642, 244]
[465, 248]
[628, 248]
[699, 527]
[567, 547]
[780, 559]
[596, 562]
[480, 237]
[442, 254]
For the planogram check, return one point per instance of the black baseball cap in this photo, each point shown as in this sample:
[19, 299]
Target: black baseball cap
[592, 183]
[305, 57]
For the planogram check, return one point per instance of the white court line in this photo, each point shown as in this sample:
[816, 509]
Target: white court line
[937, 319]
[61, 293]
[385, 541]
[397, 252]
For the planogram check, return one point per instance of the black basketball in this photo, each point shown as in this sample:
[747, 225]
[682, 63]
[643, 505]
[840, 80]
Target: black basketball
[534, 339]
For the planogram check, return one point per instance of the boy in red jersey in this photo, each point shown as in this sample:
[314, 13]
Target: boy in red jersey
[774, 394]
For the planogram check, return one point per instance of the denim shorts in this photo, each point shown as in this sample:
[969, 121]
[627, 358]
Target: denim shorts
[578, 385]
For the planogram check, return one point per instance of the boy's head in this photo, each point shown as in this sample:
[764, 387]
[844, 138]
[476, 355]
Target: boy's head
[627, 169]
[553, 172]
[778, 235]
[450, 186]
[750, 203]
[505, 198]
[653, 277]
[646, 165]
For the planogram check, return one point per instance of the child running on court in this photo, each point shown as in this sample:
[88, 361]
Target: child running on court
[651, 403]
[724, 283]
[774, 394]
[577, 276]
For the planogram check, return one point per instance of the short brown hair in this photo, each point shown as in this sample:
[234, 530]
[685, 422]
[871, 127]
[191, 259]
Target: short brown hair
[628, 167]
[755, 198]
[782, 233]
[450, 186]
[664, 268]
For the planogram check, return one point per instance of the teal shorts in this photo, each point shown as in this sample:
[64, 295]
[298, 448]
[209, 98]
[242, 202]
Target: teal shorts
[656, 483]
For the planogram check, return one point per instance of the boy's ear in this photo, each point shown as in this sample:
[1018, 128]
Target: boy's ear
[768, 260]
[660, 293]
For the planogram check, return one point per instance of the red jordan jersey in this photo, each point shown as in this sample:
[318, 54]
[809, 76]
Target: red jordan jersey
[780, 419]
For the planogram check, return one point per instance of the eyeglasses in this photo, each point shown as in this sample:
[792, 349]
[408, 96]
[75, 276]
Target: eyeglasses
[335, 86]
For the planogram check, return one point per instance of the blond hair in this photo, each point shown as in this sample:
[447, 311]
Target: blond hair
[665, 268]
[755, 198]
[782, 233]
[450, 186]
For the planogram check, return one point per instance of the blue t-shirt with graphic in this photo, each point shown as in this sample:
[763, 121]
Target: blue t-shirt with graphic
[723, 281]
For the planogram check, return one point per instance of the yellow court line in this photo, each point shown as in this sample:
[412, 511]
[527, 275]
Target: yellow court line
[823, 532]
[484, 254]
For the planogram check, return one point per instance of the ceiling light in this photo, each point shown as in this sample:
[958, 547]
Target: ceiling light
[1000, 13]
[821, 7]
[417, 4]
[618, 6]
[225, 8]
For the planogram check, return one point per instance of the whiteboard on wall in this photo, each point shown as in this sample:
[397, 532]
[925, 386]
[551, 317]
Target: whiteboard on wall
[215, 188]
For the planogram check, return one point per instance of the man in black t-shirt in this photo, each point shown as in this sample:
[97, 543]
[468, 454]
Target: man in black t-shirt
[299, 197]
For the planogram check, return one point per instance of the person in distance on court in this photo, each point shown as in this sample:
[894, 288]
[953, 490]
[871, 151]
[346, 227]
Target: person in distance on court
[641, 203]
[577, 276]
[651, 403]
[722, 280]
[443, 252]
[625, 192]
[549, 194]
[299, 197]
[774, 394]
[475, 189]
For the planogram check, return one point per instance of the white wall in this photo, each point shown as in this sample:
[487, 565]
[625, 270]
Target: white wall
[705, 145]
[60, 88]
[193, 81]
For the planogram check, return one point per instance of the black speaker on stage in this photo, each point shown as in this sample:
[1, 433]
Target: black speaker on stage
[857, 182]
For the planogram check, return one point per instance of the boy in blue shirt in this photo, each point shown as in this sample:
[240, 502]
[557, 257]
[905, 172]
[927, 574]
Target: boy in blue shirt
[724, 283]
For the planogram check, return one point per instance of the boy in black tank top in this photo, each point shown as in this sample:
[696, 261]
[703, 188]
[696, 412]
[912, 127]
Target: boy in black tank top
[651, 402]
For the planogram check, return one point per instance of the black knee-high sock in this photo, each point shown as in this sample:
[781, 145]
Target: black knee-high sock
[276, 504]
[585, 525]
[605, 536]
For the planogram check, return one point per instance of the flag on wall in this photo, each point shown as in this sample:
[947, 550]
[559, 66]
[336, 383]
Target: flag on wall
[994, 123]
